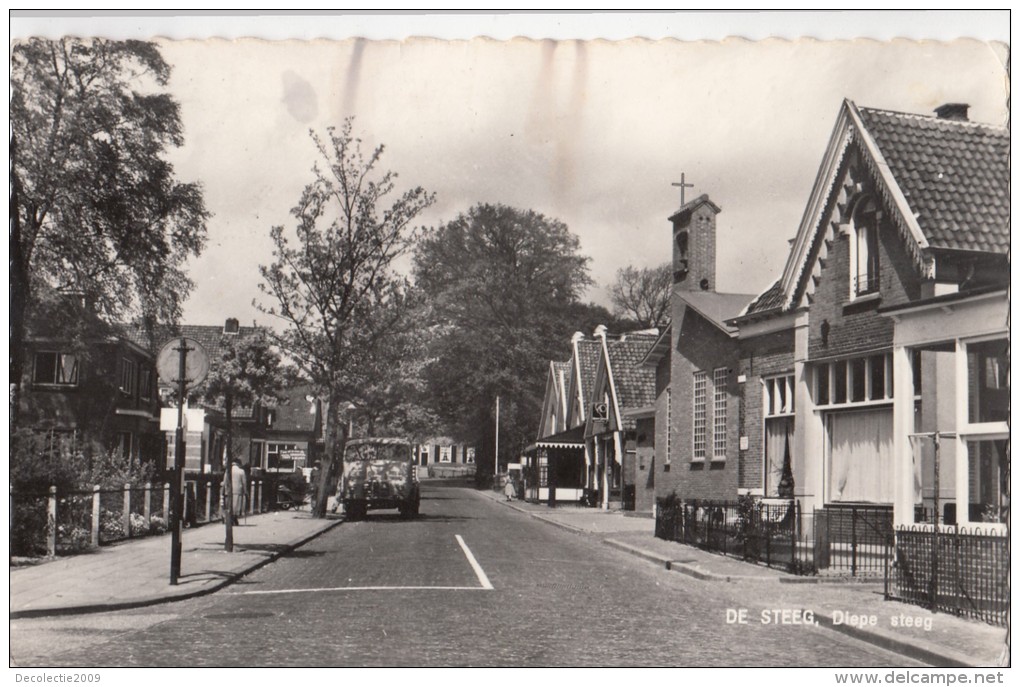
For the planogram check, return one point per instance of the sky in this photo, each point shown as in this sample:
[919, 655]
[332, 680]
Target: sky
[590, 132]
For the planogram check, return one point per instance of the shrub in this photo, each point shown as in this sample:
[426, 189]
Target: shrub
[111, 525]
[138, 524]
[157, 525]
[74, 538]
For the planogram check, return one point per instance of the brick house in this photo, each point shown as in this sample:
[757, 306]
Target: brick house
[102, 392]
[291, 439]
[891, 304]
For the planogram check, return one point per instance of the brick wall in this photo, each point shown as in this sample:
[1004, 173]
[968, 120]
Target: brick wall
[643, 474]
[700, 226]
[760, 356]
[700, 346]
[857, 327]
[663, 476]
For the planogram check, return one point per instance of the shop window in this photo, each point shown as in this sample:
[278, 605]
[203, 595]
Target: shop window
[55, 368]
[284, 457]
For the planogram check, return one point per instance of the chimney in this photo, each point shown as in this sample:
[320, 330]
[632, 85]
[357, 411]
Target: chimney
[231, 326]
[955, 112]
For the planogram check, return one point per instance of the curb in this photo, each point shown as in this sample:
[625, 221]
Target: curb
[157, 600]
[939, 659]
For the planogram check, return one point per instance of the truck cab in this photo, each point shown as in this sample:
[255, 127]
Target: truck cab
[379, 473]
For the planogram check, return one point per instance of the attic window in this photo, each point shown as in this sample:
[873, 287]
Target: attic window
[864, 248]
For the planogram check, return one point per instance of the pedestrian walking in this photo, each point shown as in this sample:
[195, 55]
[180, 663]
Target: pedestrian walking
[509, 489]
[238, 490]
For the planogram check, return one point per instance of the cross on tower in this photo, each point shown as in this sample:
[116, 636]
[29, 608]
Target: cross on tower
[683, 185]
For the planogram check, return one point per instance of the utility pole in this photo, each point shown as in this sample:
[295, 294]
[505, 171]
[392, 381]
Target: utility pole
[495, 472]
[176, 514]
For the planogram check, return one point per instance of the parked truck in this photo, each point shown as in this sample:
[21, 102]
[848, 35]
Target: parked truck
[379, 473]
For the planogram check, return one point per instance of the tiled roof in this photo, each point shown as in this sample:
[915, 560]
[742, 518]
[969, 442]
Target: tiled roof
[954, 175]
[769, 299]
[588, 360]
[717, 307]
[210, 336]
[634, 382]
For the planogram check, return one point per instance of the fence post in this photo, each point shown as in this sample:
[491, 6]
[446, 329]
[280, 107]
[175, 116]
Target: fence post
[251, 496]
[95, 515]
[166, 502]
[146, 507]
[853, 541]
[51, 522]
[126, 515]
[207, 491]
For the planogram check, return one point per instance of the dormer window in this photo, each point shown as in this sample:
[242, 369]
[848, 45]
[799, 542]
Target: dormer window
[864, 248]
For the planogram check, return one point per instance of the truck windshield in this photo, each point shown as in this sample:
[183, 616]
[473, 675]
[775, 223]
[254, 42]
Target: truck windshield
[359, 452]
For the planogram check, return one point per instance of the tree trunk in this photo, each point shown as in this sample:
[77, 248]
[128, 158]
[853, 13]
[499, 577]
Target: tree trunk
[332, 460]
[19, 294]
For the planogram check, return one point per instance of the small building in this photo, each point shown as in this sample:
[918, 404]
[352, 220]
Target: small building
[620, 384]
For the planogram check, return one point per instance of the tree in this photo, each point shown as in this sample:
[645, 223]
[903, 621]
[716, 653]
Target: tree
[505, 288]
[95, 208]
[248, 373]
[331, 286]
[643, 294]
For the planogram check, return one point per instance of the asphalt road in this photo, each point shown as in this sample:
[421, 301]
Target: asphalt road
[469, 583]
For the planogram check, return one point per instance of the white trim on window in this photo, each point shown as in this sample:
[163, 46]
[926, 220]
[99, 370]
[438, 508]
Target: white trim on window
[719, 412]
[699, 417]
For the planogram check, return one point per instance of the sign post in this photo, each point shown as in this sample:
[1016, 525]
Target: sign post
[187, 371]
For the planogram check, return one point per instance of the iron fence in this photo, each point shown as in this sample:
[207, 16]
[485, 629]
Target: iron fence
[958, 570]
[854, 539]
[769, 532]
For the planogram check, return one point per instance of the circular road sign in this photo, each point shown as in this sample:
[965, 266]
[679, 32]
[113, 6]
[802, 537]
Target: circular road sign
[196, 364]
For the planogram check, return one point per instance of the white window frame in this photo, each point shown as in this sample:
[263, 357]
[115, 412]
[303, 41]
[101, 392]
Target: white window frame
[778, 395]
[669, 425]
[278, 446]
[857, 236]
[128, 376]
[872, 397]
[972, 432]
[699, 417]
[469, 455]
[446, 454]
[720, 398]
[59, 369]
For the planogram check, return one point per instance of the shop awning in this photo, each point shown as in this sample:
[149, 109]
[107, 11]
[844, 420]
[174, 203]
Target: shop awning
[571, 438]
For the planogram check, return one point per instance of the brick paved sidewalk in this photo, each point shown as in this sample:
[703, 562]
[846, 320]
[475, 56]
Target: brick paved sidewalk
[136, 573]
[935, 638]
